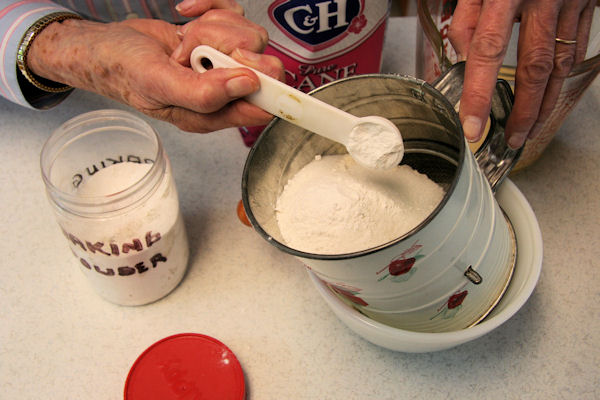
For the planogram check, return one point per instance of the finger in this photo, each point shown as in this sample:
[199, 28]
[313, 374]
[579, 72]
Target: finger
[462, 27]
[224, 35]
[564, 59]
[583, 30]
[195, 8]
[206, 92]
[485, 55]
[238, 113]
[536, 62]
[226, 17]
[266, 64]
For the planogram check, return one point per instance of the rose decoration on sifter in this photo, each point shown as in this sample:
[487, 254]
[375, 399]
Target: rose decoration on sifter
[401, 267]
[452, 306]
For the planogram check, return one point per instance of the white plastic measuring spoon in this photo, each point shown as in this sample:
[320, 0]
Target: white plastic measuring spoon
[373, 141]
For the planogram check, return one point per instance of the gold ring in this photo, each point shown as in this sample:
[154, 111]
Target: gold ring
[565, 41]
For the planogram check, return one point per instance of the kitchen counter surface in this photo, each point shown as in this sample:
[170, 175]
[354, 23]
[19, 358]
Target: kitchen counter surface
[59, 340]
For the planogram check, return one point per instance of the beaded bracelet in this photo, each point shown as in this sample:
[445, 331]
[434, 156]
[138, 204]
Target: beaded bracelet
[39, 82]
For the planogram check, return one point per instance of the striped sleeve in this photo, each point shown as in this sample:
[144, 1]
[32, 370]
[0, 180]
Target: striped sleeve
[15, 18]
[118, 10]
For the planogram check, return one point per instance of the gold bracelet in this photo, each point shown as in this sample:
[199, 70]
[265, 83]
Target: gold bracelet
[44, 84]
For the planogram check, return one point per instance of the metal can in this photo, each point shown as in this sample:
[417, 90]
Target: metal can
[451, 270]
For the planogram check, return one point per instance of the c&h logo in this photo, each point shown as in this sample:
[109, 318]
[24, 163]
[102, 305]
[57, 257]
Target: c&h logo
[315, 24]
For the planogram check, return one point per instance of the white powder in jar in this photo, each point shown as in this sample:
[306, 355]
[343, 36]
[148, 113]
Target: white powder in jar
[140, 254]
[113, 179]
[335, 206]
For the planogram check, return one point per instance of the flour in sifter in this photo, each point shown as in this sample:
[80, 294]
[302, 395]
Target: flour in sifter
[335, 206]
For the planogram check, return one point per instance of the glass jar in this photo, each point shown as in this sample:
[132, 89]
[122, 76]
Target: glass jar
[110, 185]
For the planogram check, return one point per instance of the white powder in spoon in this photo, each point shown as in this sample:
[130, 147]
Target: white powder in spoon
[333, 205]
[376, 143]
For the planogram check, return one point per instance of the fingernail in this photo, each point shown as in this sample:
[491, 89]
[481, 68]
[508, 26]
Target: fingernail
[516, 140]
[472, 128]
[240, 86]
[177, 53]
[179, 32]
[183, 28]
[185, 5]
[246, 54]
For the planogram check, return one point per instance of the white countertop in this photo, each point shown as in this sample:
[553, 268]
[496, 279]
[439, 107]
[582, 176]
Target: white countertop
[59, 340]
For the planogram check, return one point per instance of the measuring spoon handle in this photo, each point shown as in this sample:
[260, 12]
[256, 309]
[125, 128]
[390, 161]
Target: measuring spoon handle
[282, 100]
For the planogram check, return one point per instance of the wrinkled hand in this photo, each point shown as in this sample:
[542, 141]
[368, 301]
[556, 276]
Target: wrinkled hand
[131, 61]
[480, 32]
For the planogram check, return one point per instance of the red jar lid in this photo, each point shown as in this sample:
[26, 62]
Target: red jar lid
[186, 366]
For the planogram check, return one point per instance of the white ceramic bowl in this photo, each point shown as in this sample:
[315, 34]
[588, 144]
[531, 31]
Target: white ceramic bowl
[524, 280]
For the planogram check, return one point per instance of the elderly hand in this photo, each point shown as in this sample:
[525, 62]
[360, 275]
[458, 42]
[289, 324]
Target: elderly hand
[553, 36]
[135, 62]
